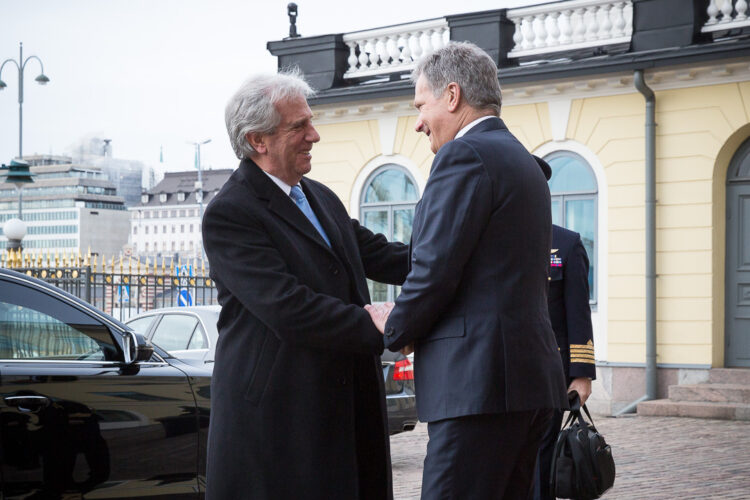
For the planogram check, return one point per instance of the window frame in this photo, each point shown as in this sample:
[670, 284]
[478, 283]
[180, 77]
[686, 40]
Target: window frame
[390, 206]
[583, 194]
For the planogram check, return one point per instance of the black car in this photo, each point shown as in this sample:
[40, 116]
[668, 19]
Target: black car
[190, 333]
[88, 408]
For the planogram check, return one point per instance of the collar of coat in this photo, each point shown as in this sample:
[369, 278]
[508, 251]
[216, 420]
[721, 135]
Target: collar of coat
[284, 207]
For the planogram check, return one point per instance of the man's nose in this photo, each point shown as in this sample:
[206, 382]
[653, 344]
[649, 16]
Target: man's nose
[419, 125]
[313, 135]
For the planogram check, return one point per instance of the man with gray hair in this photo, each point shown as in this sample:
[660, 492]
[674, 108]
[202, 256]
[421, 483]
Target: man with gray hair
[474, 305]
[297, 396]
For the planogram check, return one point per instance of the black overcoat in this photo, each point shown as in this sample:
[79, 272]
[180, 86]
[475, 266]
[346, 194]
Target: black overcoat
[297, 397]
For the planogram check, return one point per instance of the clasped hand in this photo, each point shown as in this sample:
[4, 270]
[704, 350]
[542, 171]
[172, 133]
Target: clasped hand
[379, 314]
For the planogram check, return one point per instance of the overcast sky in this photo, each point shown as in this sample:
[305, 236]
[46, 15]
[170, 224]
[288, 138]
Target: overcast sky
[157, 73]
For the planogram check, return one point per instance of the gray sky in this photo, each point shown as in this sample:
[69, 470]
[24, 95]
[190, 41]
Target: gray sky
[152, 73]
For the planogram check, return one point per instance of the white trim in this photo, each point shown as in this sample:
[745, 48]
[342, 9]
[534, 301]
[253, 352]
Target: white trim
[387, 126]
[559, 116]
[598, 317]
[517, 94]
[374, 164]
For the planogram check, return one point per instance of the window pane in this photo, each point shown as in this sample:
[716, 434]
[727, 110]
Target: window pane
[570, 174]
[34, 325]
[199, 340]
[579, 217]
[376, 221]
[556, 212]
[390, 185]
[403, 218]
[174, 332]
[141, 325]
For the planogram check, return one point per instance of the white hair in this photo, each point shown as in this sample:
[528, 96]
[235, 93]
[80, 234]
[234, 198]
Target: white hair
[252, 109]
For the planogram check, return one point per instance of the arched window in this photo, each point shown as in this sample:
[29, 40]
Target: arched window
[574, 200]
[386, 206]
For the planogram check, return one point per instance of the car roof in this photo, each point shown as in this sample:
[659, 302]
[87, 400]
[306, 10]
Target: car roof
[159, 310]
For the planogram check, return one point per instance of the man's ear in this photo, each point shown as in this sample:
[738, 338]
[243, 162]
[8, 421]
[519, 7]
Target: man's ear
[257, 141]
[453, 95]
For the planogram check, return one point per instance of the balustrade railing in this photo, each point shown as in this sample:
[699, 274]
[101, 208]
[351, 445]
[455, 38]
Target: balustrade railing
[393, 49]
[726, 15]
[571, 25]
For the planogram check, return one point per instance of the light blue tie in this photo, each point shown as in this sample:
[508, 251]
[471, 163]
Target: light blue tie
[299, 198]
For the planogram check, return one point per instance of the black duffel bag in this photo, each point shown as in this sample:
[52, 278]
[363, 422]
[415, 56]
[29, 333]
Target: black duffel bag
[582, 464]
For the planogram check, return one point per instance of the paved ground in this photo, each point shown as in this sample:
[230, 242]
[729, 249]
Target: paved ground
[656, 458]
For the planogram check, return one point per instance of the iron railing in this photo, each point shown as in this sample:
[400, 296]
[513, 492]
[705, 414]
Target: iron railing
[125, 286]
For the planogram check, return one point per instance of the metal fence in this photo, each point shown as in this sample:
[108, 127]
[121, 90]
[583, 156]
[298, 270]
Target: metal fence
[122, 287]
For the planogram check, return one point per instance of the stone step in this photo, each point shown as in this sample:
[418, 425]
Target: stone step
[729, 376]
[695, 409]
[712, 393]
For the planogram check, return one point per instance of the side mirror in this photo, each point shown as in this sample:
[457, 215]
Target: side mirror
[137, 348]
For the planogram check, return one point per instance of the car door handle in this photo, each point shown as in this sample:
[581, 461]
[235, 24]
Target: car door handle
[27, 403]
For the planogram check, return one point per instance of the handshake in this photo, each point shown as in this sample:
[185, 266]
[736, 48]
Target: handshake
[379, 314]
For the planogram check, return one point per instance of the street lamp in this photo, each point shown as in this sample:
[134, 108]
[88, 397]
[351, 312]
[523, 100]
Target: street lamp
[18, 174]
[199, 184]
[41, 80]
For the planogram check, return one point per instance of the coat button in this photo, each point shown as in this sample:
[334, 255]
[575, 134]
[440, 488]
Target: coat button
[342, 380]
[390, 331]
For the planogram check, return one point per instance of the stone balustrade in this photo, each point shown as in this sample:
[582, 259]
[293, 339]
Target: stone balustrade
[571, 25]
[726, 15]
[393, 49]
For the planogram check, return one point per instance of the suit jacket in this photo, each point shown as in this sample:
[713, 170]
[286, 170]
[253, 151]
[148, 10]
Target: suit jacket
[475, 300]
[568, 301]
[297, 396]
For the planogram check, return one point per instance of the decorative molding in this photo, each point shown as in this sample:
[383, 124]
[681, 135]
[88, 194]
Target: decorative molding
[374, 164]
[559, 115]
[387, 126]
[620, 83]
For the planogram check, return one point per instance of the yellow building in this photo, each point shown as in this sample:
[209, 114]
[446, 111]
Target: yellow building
[664, 211]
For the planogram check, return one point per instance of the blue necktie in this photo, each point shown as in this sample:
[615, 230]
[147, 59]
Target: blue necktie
[299, 198]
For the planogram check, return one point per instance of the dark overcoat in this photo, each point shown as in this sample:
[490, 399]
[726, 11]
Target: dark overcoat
[297, 397]
[475, 300]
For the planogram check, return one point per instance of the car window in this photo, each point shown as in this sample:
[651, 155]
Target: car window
[37, 326]
[174, 331]
[199, 339]
[141, 325]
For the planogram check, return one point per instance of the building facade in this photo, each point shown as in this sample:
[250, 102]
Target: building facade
[642, 108]
[70, 207]
[167, 221]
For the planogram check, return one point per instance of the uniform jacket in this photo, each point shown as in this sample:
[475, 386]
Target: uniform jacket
[568, 300]
[297, 397]
[475, 300]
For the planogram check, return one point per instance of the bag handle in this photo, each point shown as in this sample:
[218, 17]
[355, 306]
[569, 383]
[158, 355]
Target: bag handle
[574, 400]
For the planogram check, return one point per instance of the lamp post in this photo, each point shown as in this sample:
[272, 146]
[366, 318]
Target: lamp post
[41, 80]
[199, 184]
[18, 174]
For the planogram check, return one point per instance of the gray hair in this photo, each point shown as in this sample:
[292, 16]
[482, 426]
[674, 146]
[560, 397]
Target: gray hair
[252, 109]
[467, 65]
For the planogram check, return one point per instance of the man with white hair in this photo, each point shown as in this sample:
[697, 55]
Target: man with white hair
[297, 397]
[474, 306]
